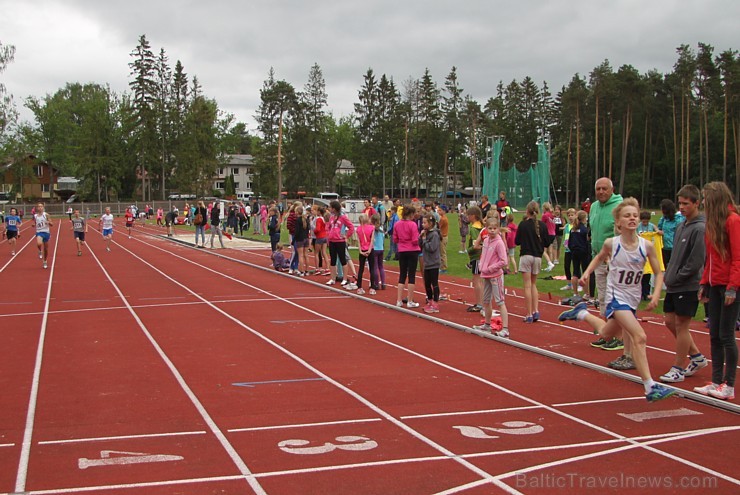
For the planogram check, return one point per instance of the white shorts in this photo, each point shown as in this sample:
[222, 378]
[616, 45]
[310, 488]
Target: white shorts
[530, 264]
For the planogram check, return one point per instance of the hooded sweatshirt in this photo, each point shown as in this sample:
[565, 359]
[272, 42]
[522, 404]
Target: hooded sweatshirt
[724, 272]
[687, 263]
[493, 257]
[429, 245]
[601, 221]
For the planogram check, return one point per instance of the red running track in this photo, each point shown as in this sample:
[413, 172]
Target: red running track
[157, 368]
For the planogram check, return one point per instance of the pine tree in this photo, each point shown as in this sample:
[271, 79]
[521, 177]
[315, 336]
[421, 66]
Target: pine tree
[144, 88]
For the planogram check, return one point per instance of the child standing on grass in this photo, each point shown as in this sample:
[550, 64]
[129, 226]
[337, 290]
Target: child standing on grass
[393, 249]
[568, 258]
[430, 241]
[475, 221]
[625, 255]
[377, 254]
[366, 237]
[548, 219]
[579, 250]
[406, 237]
[719, 284]
[511, 228]
[533, 240]
[493, 259]
[463, 226]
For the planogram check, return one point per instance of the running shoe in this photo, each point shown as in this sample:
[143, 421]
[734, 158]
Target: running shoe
[528, 319]
[659, 392]
[566, 287]
[724, 392]
[79, 253]
[40, 255]
[331, 282]
[372, 292]
[12, 253]
[549, 267]
[44, 264]
[504, 334]
[107, 249]
[572, 314]
[706, 389]
[695, 365]
[431, 307]
[475, 308]
[482, 328]
[598, 343]
[674, 375]
[623, 363]
[412, 304]
[351, 286]
[536, 316]
[344, 282]
[360, 291]
[613, 345]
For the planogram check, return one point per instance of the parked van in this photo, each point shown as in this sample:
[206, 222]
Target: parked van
[329, 196]
[244, 195]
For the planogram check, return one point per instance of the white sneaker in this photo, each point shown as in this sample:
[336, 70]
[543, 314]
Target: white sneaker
[44, 264]
[566, 287]
[107, 249]
[331, 282]
[40, 255]
[482, 328]
[549, 268]
[695, 365]
[412, 304]
[399, 304]
[674, 375]
[351, 286]
[360, 291]
[12, 253]
[344, 282]
[724, 392]
[706, 388]
[504, 334]
[372, 292]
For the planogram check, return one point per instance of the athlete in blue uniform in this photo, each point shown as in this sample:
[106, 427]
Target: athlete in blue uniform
[12, 223]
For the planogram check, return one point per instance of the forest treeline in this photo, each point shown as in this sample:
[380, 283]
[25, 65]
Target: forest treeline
[650, 132]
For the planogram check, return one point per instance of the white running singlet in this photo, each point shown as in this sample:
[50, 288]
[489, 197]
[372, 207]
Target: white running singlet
[42, 222]
[107, 221]
[623, 284]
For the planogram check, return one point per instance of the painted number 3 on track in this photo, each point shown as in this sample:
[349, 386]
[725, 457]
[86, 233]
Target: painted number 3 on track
[353, 443]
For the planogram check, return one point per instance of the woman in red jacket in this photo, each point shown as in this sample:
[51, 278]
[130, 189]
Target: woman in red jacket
[719, 285]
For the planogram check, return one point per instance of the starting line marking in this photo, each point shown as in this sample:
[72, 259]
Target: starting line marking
[120, 458]
[672, 413]
[122, 437]
[252, 384]
[296, 321]
[306, 425]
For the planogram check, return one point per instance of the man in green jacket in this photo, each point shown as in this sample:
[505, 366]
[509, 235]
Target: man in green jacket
[601, 222]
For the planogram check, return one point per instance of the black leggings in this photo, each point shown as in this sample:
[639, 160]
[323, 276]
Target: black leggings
[722, 320]
[371, 261]
[407, 261]
[431, 284]
[566, 265]
[338, 250]
[580, 263]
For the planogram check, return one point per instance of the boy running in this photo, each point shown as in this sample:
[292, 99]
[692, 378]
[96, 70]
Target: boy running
[79, 228]
[43, 222]
[625, 255]
[12, 223]
[106, 221]
[129, 220]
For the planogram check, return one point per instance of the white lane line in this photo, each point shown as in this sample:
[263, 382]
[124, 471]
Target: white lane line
[18, 251]
[306, 425]
[121, 437]
[598, 401]
[7, 445]
[22, 475]
[231, 451]
[465, 413]
[375, 408]
[426, 358]
[139, 306]
[124, 486]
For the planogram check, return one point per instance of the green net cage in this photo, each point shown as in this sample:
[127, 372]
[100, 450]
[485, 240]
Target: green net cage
[521, 186]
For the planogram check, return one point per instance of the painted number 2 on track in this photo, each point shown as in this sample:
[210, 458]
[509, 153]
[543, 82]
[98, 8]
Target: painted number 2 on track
[511, 428]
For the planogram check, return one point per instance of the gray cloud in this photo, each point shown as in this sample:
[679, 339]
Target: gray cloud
[230, 45]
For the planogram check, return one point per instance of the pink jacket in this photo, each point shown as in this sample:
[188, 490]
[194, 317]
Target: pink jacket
[334, 228]
[493, 257]
[406, 236]
[365, 236]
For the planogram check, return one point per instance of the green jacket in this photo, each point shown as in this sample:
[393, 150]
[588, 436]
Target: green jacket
[601, 221]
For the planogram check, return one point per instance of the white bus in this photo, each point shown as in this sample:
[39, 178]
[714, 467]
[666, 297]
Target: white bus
[328, 196]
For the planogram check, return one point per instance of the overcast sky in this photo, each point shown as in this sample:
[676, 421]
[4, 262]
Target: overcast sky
[230, 45]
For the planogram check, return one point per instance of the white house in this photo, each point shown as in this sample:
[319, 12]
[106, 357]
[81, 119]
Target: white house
[241, 166]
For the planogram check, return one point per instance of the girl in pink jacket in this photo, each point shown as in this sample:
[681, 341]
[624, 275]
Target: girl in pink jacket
[406, 237]
[338, 229]
[493, 259]
[366, 237]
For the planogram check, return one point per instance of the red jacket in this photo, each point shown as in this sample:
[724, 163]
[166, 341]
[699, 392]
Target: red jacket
[724, 272]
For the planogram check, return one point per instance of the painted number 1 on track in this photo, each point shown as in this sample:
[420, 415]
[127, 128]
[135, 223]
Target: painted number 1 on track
[117, 458]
